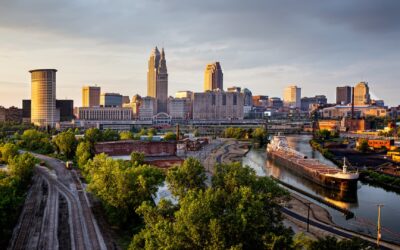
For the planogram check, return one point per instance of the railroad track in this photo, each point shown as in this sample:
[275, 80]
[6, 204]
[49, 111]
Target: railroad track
[39, 226]
[77, 227]
[21, 237]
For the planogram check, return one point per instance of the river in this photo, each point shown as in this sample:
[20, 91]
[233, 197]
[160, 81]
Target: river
[363, 202]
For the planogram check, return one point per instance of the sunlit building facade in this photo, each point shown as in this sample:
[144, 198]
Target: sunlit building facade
[91, 96]
[361, 94]
[157, 79]
[43, 96]
[292, 96]
[213, 77]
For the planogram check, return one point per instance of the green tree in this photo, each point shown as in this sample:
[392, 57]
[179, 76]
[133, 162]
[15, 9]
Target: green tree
[259, 135]
[151, 132]
[66, 143]
[238, 211]
[93, 135]
[37, 141]
[170, 136]
[137, 158]
[83, 153]
[331, 243]
[110, 135]
[363, 145]
[122, 189]
[8, 151]
[21, 166]
[126, 135]
[10, 201]
[324, 134]
[232, 132]
[190, 175]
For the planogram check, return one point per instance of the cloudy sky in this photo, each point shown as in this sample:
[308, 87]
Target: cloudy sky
[262, 45]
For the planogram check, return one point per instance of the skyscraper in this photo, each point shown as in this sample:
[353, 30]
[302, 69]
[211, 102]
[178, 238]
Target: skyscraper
[361, 94]
[43, 95]
[343, 95]
[90, 96]
[292, 96]
[213, 77]
[157, 79]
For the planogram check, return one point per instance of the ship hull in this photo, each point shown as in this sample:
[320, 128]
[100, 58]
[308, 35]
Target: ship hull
[344, 185]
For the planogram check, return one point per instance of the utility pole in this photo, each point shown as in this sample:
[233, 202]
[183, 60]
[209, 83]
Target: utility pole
[308, 216]
[378, 234]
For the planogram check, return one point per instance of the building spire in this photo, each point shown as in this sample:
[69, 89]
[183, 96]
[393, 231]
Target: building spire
[162, 53]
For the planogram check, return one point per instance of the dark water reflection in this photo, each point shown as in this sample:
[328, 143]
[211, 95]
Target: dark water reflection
[362, 202]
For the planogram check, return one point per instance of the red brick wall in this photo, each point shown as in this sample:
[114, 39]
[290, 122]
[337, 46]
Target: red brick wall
[127, 147]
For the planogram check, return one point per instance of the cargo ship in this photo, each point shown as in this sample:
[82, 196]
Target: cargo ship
[330, 177]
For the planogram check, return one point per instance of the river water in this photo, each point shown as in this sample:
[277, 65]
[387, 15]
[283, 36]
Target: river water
[363, 202]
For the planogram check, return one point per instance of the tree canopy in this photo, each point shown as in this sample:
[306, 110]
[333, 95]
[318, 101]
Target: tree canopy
[83, 153]
[8, 151]
[126, 135]
[13, 186]
[260, 135]
[37, 141]
[122, 187]
[170, 136]
[238, 211]
[66, 143]
[190, 175]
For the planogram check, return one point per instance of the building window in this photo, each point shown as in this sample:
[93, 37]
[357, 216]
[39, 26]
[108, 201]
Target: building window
[234, 100]
[213, 100]
[224, 100]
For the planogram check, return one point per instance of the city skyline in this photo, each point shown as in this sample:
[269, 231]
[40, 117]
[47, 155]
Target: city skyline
[333, 44]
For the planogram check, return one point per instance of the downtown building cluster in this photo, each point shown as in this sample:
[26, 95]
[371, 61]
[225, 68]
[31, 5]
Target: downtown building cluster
[212, 106]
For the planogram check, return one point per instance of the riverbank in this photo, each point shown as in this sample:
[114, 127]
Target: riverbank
[368, 164]
[230, 150]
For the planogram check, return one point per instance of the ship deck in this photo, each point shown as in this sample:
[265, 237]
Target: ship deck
[309, 164]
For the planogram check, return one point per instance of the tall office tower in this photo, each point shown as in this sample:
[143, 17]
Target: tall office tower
[90, 96]
[213, 77]
[157, 79]
[292, 96]
[361, 94]
[343, 95]
[43, 96]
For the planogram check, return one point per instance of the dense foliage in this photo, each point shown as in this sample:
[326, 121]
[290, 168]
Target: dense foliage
[258, 135]
[83, 153]
[237, 133]
[170, 136]
[13, 186]
[190, 176]
[8, 129]
[238, 211]
[122, 186]
[126, 135]
[7, 152]
[332, 243]
[66, 143]
[37, 141]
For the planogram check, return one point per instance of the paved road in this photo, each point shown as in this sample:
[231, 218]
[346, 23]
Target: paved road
[39, 226]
